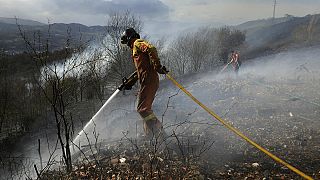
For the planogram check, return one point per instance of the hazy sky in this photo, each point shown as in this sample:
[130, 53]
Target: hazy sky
[156, 13]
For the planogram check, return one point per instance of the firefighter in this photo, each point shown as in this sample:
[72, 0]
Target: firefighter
[235, 60]
[147, 63]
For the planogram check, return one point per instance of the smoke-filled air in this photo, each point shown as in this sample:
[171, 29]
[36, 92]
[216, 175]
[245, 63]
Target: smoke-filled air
[271, 100]
[160, 90]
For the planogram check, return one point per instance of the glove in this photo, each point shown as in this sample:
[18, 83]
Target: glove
[126, 86]
[162, 70]
[129, 82]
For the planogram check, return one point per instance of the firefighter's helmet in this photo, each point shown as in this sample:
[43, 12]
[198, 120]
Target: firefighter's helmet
[128, 35]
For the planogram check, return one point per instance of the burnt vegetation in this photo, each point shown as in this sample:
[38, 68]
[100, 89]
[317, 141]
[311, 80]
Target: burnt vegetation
[48, 94]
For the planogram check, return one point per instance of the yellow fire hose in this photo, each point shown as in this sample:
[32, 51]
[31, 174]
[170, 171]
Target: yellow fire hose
[236, 131]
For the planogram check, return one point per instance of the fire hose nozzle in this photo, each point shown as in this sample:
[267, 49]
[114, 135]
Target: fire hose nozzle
[127, 83]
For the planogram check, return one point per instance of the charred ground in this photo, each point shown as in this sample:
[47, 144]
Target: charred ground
[275, 102]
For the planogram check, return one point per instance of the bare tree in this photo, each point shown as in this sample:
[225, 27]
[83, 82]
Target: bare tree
[177, 59]
[4, 91]
[190, 52]
[198, 50]
[119, 56]
[203, 49]
[56, 85]
[226, 40]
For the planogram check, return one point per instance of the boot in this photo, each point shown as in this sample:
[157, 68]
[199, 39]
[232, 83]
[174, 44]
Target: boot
[153, 129]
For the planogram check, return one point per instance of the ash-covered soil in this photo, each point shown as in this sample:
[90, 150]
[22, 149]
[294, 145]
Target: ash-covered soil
[275, 102]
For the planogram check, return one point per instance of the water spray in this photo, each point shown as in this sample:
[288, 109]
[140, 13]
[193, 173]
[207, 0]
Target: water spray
[75, 141]
[225, 67]
[127, 83]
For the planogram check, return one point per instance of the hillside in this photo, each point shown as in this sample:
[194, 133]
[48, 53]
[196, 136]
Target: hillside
[251, 26]
[274, 101]
[11, 41]
[24, 22]
[262, 36]
[269, 36]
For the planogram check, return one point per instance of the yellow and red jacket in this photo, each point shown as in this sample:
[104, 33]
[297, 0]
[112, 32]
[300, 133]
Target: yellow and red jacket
[146, 61]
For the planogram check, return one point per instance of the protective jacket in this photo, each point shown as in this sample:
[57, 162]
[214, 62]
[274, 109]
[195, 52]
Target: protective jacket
[235, 60]
[146, 61]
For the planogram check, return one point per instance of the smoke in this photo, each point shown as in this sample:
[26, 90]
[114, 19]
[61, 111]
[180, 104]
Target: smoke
[257, 102]
[286, 65]
[78, 63]
[272, 99]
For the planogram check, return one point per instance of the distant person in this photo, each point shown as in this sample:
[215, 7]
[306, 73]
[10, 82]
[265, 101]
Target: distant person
[147, 63]
[235, 60]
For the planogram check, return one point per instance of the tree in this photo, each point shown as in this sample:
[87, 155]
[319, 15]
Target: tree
[225, 41]
[118, 56]
[4, 91]
[53, 79]
[189, 52]
[202, 50]
[16, 107]
[199, 49]
[177, 59]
